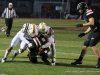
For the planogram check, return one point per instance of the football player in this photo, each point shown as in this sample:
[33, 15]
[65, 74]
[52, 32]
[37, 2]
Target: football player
[27, 30]
[36, 49]
[48, 32]
[94, 36]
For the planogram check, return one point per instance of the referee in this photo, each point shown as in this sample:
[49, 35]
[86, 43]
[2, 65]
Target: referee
[9, 13]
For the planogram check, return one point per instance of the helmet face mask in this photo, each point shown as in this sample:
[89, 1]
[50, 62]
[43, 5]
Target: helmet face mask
[44, 34]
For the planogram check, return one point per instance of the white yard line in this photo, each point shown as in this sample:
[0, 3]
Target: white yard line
[58, 52]
[74, 53]
[68, 41]
[67, 46]
[56, 40]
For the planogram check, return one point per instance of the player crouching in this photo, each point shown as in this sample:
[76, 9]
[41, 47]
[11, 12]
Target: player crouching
[27, 30]
[36, 49]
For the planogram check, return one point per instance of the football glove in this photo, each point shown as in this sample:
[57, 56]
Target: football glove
[79, 25]
[81, 35]
[41, 49]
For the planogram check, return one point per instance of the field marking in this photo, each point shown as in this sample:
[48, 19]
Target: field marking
[67, 46]
[56, 40]
[68, 41]
[46, 19]
[59, 52]
[74, 53]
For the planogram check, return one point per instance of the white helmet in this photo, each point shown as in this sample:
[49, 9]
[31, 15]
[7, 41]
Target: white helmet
[43, 28]
[32, 30]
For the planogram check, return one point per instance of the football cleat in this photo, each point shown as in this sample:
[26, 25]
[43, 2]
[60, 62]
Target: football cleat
[14, 55]
[3, 29]
[53, 63]
[8, 35]
[3, 60]
[76, 62]
[98, 64]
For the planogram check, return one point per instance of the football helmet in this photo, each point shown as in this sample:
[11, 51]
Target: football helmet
[83, 6]
[32, 30]
[42, 28]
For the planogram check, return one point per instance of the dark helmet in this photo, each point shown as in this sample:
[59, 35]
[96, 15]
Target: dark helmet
[82, 6]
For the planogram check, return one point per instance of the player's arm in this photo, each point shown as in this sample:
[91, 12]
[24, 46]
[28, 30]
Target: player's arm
[91, 22]
[14, 14]
[90, 15]
[88, 30]
[3, 14]
[23, 38]
[83, 34]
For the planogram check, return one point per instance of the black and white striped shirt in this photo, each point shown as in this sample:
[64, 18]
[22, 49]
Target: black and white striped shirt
[8, 12]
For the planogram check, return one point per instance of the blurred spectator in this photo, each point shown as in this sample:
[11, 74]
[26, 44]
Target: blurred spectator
[52, 15]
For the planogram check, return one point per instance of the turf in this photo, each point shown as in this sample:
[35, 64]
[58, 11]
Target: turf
[68, 48]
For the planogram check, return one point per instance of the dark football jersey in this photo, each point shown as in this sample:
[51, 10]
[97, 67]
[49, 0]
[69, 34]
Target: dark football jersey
[43, 40]
[90, 14]
[38, 41]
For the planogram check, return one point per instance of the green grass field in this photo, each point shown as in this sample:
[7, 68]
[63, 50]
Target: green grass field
[68, 48]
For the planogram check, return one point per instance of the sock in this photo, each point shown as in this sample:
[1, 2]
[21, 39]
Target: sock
[98, 59]
[53, 59]
[19, 51]
[80, 58]
[6, 53]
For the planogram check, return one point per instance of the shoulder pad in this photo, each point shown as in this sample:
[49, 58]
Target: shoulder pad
[25, 27]
[88, 12]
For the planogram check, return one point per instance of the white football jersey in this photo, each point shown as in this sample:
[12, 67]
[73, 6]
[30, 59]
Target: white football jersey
[50, 31]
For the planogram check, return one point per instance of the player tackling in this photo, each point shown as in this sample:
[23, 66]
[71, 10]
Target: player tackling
[94, 36]
[48, 32]
[27, 30]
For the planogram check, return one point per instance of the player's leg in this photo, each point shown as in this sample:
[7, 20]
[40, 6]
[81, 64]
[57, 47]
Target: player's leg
[44, 57]
[53, 51]
[14, 42]
[97, 53]
[94, 40]
[6, 54]
[23, 47]
[53, 54]
[84, 50]
[7, 24]
[10, 25]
